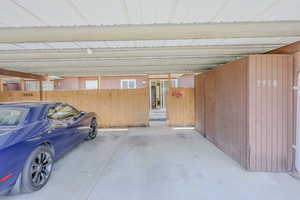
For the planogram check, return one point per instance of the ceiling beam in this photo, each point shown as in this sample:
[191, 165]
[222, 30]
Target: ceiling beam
[6, 72]
[210, 50]
[288, 49]
[123, 70]
[114, 62]
[112, 68]
[132, 72]
[161, 48]
[150, 32]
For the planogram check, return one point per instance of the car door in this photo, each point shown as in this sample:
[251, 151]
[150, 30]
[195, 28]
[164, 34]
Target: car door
[62, 128]
[79, 122]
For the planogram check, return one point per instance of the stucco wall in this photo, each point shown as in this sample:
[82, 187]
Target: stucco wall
[114, 82]
[68, 83]
[186, 81]
[107, 82]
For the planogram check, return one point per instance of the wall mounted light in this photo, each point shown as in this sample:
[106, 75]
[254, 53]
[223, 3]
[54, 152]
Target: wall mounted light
[89, 51]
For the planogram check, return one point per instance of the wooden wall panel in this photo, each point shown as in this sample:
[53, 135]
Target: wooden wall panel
[253, 114]
[200, 103]
[19, 96]
[115, 108]
[271, 112]
[231, 110]
[210, 105]
[181, 110]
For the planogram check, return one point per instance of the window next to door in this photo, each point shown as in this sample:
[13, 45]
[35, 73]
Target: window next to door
[175, 83]
[91, 84]
[128, 84]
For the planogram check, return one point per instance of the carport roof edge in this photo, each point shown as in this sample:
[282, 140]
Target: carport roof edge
[150, 32]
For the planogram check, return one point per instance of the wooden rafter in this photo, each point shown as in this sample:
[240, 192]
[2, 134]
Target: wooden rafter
[6, 72]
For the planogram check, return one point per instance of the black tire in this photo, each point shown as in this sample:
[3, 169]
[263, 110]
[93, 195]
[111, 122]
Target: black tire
[37, 169]
[93, 132]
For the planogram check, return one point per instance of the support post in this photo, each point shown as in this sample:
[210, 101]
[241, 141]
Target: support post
[22, 84]
[41, 90]
[148, 95]
[99, 82]
[169, 81]
[1, 85]
[169, 97]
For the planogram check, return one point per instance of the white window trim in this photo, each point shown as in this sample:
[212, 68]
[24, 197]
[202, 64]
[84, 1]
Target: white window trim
[123, 80]
[175, 81]
[91, 80]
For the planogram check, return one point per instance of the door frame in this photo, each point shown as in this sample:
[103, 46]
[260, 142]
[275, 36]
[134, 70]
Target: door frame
[297, 143]
[162, 97]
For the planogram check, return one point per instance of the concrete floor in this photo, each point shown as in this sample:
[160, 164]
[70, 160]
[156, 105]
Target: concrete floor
[158, 163]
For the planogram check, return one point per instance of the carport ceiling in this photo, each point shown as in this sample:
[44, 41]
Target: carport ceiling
[76, 37]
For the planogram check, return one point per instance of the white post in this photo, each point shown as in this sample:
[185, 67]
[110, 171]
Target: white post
[297, 163]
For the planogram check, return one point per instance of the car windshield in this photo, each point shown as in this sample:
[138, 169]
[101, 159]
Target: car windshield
[10, 116]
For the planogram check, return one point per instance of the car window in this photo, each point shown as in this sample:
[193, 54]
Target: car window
[61, 112]
[10, 117]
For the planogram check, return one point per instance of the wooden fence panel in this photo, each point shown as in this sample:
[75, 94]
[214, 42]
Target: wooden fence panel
[19, 96]
[115, 108]
[181, 108]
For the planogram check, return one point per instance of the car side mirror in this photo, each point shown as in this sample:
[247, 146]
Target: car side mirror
[79, 115]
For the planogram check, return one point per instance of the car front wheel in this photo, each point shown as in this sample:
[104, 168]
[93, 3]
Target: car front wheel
[93, 130]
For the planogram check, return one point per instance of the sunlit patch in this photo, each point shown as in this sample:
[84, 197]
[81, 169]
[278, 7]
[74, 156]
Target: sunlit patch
[112, 129]
[183, 128]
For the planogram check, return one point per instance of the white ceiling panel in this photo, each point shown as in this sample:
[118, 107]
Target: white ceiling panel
[190, 11]
[283, 10]
[115, 12]
[102, 12]
[13, 15]
[150, 11]
[134, 9]
[157, 11]
[237, 10]
[53, 13]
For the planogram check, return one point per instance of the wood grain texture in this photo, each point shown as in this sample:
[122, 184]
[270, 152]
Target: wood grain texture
[249, 115]
[271, 112]
[200, 103]
[115, 108]
[181, 109]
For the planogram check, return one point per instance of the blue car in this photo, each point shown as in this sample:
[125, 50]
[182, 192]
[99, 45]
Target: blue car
[35, 134]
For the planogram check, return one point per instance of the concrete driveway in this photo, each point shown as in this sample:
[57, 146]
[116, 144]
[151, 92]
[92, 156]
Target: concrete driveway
[157, 163]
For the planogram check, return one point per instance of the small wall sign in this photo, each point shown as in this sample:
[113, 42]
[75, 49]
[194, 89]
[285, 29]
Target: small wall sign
[177, 94]
[27, 94]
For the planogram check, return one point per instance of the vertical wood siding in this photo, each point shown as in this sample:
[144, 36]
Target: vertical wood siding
[181, 109]
[271, 112]
[19, 96]
[210, 105]
[231, 110]
[250, 110]
[115, 108]
[200, 103]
